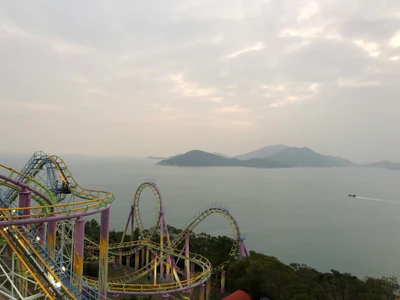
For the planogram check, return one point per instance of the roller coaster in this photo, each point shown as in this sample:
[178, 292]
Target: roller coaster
[43, 246]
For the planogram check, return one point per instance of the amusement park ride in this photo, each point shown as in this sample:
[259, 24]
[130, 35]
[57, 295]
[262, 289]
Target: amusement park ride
[43, 241]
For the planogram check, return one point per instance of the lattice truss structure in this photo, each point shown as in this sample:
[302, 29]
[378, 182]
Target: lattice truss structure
[42, 240]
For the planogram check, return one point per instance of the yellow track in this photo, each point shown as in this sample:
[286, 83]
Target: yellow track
[7, 214]
[123, 281]
[38, 256]
[22, 259]
[157, 196]
[95, 200]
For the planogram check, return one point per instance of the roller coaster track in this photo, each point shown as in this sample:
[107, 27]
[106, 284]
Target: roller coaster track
[94, 199]
[28, 181]
[203, 214]
[135, 245]
[31, 168]
[216, 209]
[49, 275]
[9, 214]
[42, 264]
[157, 195]
[195, 258]
[50, 206]
[121, 283]
[43, 282]
[194, 222]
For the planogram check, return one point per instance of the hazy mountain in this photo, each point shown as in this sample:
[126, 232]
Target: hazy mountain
[263, 152]
[341, 162]
[305, 157]
[174, 155]
[197, 158]
[222, 155]
[286, 158]
[384, 165]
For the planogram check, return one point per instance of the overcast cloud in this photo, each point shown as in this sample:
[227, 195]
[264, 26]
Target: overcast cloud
[148, 77]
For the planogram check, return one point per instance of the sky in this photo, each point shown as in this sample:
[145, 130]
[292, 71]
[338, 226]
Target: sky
[138, 78]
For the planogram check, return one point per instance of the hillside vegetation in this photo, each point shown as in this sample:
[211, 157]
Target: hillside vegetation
[265, 276]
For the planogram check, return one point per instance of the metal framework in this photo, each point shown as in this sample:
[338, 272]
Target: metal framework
[42, 240]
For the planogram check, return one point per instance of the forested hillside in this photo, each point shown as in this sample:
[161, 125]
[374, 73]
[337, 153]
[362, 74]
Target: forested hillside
[265, 276]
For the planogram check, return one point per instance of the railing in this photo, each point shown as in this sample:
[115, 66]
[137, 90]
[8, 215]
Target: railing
[36, 158]
[59, 275]
[38, 255]
[186, 230]
[18, 250]
[196, 258]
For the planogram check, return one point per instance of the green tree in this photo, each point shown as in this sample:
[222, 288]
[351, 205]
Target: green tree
[265, 276]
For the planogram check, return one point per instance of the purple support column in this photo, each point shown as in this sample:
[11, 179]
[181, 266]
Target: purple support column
[143, 250]
[41, 234]
[103, 257]
[115, 296]
[51, 237]
[24, 200]
[168, 268]
[126, 228]
[78, 250]
[191, 270]
[187, 262]
[223, 282]
[208, 289]
[201, 296]
[162, 220]
[136, 258]
[128, 261]
[191, 297]
[155, 268]
[120, 257]
[132, 221]
[161, 262]
[132, 215]
[242, 248]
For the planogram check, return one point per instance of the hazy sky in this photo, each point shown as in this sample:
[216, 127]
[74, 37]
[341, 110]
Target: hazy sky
[163, 77]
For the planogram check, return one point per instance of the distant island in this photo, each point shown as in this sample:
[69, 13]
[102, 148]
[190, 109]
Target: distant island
[384, 165]
[198, 158]
[222, 155]
[263, 152]
[155, 157]
[276, 156]
[162, 157]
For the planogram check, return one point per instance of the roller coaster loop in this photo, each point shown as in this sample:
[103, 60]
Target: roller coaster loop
[43, 246]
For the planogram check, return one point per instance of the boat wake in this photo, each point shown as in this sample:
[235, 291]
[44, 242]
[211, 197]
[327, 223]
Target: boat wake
[376, 200]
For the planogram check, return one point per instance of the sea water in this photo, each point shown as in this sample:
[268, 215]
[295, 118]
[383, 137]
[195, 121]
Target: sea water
[301, 215]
